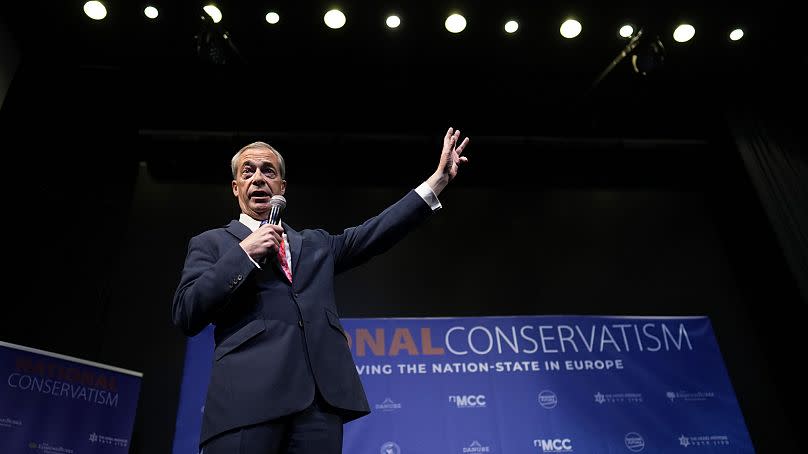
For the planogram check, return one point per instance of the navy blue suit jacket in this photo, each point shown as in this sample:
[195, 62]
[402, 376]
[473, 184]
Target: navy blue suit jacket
[276, 340]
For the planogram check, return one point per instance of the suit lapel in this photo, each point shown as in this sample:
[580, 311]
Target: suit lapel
[238, 230]
[295, 244]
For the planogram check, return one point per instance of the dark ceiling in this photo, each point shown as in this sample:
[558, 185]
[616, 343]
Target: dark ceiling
[299, 75]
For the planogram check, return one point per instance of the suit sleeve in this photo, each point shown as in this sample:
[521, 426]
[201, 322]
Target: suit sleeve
[357, 245]
[209, 278]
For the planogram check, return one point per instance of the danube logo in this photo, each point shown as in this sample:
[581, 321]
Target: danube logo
[93, 437]
[548, 399]
[475, 446]
[472, 401]
[618, 398]
[554, 444]
[703, 440]
[689, 397]
[388, 405]
[634, 442]
[390, 448]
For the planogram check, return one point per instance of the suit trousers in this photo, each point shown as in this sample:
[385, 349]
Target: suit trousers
[315, 430]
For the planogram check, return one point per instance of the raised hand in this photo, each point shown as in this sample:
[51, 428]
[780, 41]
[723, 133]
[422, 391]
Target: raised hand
[450, 157]
[450, 160]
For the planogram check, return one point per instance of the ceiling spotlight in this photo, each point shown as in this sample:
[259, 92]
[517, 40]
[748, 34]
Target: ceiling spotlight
[213, 12]
[151, 12]
[511, 26]
[334, 19]
[626, 31]
[95, 10]
[393, 21]
[272, 17]
[570, 28]
[736, 34]
[684, 33]
[648, 56]
[455, 23]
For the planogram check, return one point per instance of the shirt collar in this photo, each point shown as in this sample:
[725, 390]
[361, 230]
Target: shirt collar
[251, 223]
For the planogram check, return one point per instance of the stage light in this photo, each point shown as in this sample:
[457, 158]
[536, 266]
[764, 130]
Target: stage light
[393, 21]
[684, 33]
[334, 19]
[455, 23]
[213, 12]
[736, 34]
[511, 26]
[95, 10]
[151, 12]
[648, 56]
[570, 28]
[626, 31]
[272, 17]
[214, 44]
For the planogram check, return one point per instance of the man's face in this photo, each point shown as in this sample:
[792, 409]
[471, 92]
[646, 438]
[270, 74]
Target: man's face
[257, 180]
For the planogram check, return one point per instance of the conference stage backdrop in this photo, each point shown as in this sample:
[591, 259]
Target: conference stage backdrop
[56, 404]
[516, 385]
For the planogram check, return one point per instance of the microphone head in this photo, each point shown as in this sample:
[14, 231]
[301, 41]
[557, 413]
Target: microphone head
[278, 201]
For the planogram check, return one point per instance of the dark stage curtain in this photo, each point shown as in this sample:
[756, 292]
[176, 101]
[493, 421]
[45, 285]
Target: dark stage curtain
[772, 146]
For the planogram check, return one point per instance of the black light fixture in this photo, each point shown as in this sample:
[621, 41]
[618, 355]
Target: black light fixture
[214, 44]
[648, 56]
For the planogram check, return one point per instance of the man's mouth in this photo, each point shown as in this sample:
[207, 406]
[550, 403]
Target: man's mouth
[260, 196]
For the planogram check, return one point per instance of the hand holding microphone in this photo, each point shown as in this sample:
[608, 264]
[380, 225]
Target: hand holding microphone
[267, 238]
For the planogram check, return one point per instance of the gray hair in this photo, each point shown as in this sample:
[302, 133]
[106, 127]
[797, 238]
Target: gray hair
[281, 163]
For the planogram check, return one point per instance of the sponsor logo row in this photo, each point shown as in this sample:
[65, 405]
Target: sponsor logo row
[633, 441]
[549, 400]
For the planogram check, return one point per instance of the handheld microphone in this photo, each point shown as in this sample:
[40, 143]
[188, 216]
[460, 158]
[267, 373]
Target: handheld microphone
[277, 204]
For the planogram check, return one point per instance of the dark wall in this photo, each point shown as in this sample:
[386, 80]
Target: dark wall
[100, 216]
[9, 59]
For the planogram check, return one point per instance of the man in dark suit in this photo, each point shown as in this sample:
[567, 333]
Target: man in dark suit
[283, 379]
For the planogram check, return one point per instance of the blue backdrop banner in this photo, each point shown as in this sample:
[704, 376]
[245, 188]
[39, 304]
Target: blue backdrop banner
[528, 385]
[55, 404]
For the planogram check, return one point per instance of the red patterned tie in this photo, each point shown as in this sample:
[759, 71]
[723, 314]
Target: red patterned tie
[282, 259]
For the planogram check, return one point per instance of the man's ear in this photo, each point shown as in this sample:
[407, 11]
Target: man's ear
[234, 185]
[283, 187]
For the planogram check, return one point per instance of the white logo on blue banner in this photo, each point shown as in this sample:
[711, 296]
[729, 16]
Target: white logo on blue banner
[698, 396]
[554, 444]
[548, 399]
[476, 447]
[598, 384]
[634, 442]
[390, 448]
[700, 441]
[618, 398]
[468, 401]
[388, 405]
